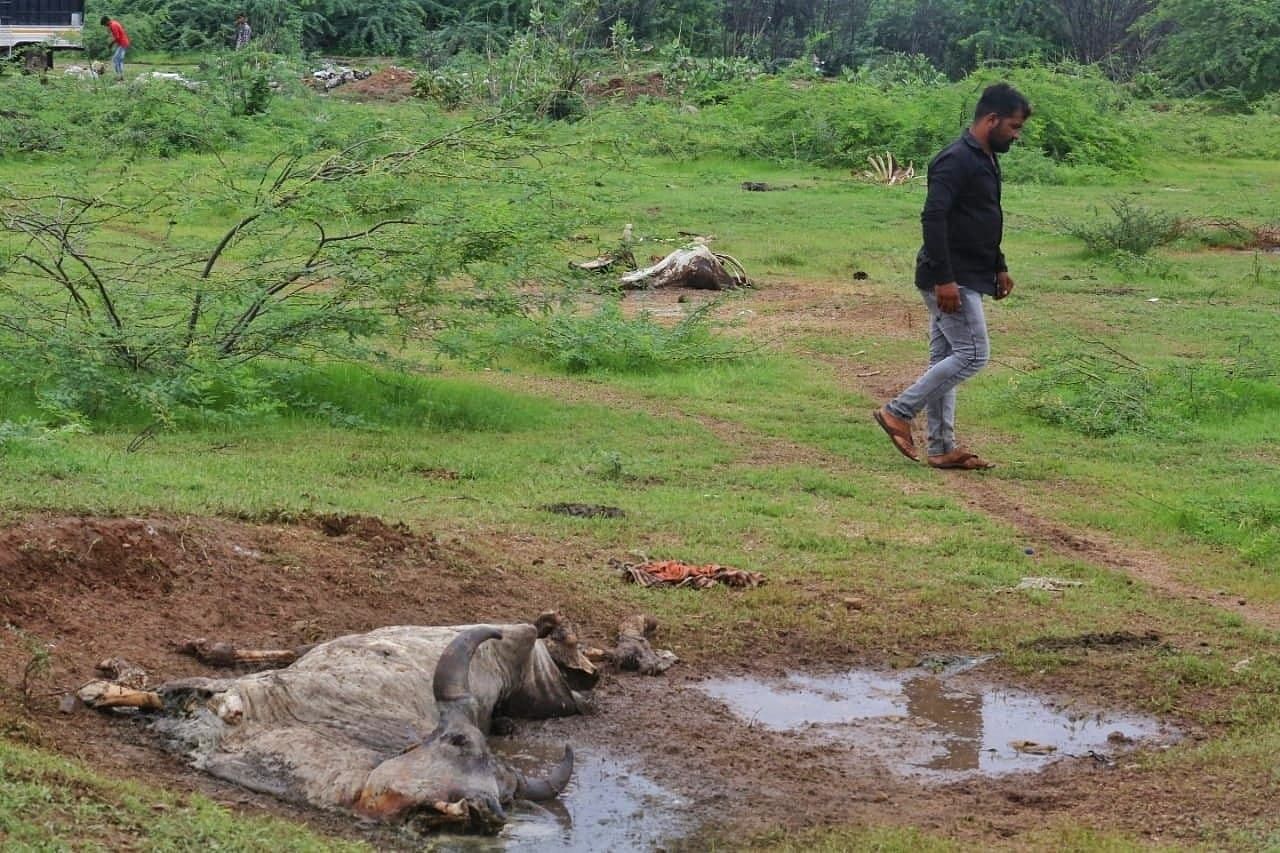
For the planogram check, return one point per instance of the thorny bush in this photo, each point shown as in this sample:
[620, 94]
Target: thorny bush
[121, 295]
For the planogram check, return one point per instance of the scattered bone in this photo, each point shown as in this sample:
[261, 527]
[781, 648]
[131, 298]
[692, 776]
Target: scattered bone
[169, 77]
[85, 72]
[106, 694]
[1045, 584]
[633, 652]
[1031, 747]
[885, 169]
[693, 266]
[123, 672]
[597, 264]
[228, 655]
[332, 76]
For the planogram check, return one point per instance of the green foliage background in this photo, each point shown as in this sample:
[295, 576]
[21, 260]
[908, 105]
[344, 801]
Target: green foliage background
[1229, 50]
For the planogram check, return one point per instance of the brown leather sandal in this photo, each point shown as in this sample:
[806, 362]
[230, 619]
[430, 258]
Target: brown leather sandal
[961, 459]
[900, 436]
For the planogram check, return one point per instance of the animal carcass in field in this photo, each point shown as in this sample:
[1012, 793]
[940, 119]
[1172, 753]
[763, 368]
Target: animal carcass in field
[693, 266]
[390, 724]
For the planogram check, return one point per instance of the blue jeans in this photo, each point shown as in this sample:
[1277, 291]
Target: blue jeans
[958, 348]
[117, 61]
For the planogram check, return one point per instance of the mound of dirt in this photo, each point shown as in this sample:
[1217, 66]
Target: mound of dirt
[395, 537]
[86, 555]
[628, 88]
[386, 84]
[91, 588]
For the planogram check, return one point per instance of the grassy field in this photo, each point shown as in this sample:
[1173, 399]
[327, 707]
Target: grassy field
[1132, 403]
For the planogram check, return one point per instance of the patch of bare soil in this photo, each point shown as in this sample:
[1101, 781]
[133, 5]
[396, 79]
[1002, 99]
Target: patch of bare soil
[94, 588]
[385, 84]
[627, 88]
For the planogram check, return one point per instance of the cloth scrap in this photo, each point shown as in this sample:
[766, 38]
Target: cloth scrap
[677, 574]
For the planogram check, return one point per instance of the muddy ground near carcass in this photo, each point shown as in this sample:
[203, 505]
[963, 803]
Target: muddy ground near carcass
[93, 588]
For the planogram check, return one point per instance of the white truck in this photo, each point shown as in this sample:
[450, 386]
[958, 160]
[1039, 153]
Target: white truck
[34, 29]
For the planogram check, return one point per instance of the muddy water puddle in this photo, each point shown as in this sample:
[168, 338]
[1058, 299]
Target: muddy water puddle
[944, 725]
[607, 806]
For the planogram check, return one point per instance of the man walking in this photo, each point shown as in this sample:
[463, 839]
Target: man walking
[243, 32]
[121, 40]
[960, 263]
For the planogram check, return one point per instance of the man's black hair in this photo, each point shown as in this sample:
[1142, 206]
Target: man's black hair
[105, 20]
[1003, 100]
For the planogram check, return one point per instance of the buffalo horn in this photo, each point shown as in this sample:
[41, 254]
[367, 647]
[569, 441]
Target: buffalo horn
[550, 787]
[452, 680]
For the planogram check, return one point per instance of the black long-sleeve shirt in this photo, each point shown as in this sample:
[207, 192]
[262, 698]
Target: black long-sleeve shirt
[962, 220]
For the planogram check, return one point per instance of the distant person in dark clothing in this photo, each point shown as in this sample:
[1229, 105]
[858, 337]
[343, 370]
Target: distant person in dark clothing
[960, 263]
[243, 31]
[120, 39]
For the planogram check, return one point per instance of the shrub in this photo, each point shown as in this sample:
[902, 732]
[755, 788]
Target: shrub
[162, 118]
[152, 297]
[1132, 229]
[604, 340]
[897, 70]
[155, 117]
[1080, 118]
[708, 80]
[1101, 392]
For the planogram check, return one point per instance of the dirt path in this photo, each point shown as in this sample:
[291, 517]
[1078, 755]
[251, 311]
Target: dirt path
[792, 308]
[1010, 503]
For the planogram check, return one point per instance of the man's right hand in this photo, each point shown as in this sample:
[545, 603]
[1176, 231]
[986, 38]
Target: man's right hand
[948, 296]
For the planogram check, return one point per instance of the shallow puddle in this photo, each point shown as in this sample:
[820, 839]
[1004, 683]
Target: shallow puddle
[605, 807]
[945, 724]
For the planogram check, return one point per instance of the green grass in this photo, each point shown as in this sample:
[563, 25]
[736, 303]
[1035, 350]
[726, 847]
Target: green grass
[49, 804]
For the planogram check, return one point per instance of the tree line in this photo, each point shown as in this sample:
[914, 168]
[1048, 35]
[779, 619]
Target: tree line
[1186, 46]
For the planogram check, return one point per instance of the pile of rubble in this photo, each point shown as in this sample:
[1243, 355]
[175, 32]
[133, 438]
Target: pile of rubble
[332, 76]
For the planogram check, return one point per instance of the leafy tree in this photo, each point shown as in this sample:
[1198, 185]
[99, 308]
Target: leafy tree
[1217, 45]
[319, 254]
[696, 24]
[1099, 30]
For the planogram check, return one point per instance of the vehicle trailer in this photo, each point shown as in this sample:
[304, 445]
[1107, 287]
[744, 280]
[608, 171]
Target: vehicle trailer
[34, 29]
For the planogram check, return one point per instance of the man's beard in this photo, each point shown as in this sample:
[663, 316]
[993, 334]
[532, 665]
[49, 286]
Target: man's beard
[1000, 146]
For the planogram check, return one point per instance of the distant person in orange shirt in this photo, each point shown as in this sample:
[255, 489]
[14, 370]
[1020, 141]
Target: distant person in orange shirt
[121, 40]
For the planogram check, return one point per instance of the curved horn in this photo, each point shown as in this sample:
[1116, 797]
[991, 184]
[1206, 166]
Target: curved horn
[451, 681]
[550, 787]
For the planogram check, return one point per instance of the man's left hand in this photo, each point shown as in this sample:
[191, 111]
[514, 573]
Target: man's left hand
[1004, 285]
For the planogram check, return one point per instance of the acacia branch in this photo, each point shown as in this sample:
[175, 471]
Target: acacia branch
[232, 338]
[59, 275]
[198, 299]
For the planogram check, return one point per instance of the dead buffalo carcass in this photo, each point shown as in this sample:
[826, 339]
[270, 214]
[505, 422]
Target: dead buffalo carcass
[390, 724]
